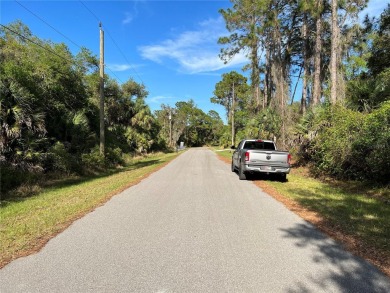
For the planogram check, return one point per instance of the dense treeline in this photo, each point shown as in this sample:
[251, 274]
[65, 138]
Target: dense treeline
[341, 123]
[49, 113]
[187, 124]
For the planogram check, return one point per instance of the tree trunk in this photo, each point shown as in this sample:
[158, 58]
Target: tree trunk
[267, 76]
[305, 65]
[317, 58]
[280, 80]
[284, 90]
[334, 55]
[265, 93]
[255, 74]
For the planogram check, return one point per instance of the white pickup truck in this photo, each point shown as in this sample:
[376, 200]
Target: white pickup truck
[257, 155]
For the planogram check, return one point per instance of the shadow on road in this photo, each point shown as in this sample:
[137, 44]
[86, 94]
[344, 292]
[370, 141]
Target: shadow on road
[352, 274]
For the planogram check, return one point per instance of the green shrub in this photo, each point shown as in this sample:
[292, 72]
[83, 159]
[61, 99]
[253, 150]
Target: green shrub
[9, 179]
[58, 159]
[114, 157]
[12, 178]
[333, 145]
[352, 145]
[94, 161]
[373, 145]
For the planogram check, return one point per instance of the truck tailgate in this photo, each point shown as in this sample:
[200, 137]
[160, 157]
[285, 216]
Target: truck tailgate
[268, 158]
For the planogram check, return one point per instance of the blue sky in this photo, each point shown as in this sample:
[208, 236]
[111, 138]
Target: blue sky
[170, 46]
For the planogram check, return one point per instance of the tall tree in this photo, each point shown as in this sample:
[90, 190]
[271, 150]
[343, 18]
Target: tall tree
[317, 88]
[334, 52]
[380, 58]
[368, 64]
[231, 92]
[243, 22]
[305, 62]
[283, 20]
[340, 43]
[217, 127]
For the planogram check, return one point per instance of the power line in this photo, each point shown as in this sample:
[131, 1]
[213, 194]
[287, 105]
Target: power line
[71, 62]
[39, 45]
[50, 51]
[37, 16]
[70, 40]
[56, 30]
[113, 73]
[90, 11]
[123, 55]
[116, 45]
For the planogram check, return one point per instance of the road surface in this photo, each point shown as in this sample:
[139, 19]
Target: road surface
[193, 226]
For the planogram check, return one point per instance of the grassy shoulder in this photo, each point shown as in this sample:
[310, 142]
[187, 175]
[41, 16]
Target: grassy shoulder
[353, 213]
[28, 223]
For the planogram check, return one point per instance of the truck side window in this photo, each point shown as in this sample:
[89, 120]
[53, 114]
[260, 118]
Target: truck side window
[249, 145]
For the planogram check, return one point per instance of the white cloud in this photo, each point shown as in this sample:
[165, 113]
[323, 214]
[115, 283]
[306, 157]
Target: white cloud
[160, 99]
[119, 67]
[128, 18]
[206, 62]
[195, 51]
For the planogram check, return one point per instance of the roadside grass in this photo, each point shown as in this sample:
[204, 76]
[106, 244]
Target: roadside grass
[27, 223]
[355, 213]
[226, 153]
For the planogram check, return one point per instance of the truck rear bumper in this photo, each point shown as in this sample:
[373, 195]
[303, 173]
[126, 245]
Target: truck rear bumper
[266, 169]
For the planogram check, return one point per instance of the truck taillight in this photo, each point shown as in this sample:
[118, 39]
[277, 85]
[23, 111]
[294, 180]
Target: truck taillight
[246, 156]
[289, 158]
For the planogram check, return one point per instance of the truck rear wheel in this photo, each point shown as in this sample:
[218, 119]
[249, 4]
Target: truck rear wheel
[241, 173]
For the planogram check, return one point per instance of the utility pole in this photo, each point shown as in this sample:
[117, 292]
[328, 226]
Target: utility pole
[102, 138]
[170, 127]
[233, 105]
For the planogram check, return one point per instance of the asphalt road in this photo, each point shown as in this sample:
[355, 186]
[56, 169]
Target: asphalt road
[193, 226]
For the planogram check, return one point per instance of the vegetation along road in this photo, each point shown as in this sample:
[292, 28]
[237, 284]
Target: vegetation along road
[192, 226]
